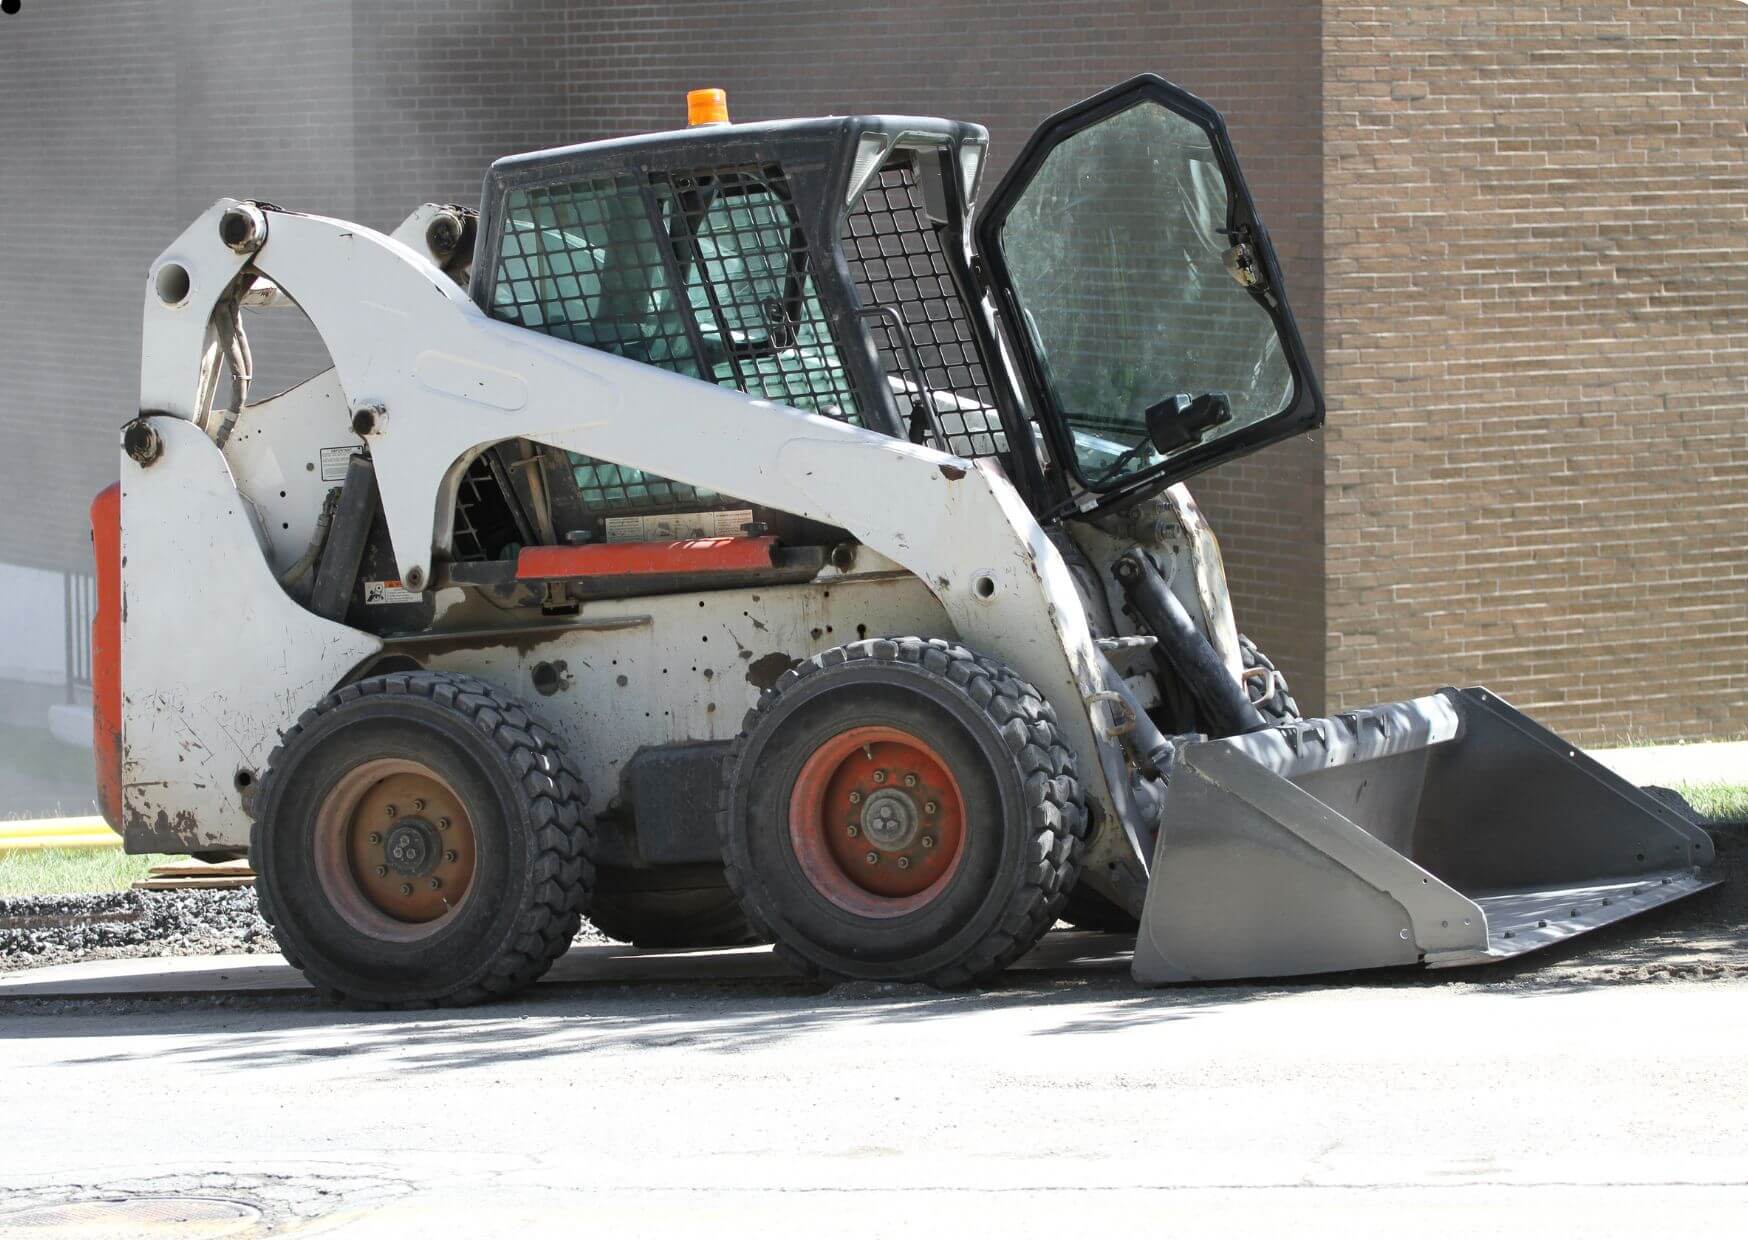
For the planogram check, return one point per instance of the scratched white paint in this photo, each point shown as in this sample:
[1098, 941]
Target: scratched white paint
[215, 658]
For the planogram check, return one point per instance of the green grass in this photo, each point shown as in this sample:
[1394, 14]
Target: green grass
[1717, 802]
[67, 871]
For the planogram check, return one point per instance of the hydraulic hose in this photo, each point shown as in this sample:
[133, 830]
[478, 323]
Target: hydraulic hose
[1224, 707]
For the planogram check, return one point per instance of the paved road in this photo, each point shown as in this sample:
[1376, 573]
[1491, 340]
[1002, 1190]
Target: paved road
[1430, 1107]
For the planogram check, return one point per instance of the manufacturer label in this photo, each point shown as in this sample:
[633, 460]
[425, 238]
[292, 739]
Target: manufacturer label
[376, 592]
[674, 526]
[334, 461]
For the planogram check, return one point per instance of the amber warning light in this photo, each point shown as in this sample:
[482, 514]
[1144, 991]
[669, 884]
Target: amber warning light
[707, 107]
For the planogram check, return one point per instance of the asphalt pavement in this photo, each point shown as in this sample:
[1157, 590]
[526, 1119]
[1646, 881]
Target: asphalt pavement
[707, 1091]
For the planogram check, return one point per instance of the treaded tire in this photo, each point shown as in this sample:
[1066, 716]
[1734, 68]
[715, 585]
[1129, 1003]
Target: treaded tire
[535, 846]
[668, 906]
[1278, 706]
[1025, 812]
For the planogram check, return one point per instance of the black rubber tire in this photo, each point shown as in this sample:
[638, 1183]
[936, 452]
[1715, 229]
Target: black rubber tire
[535, 845]
[669, 906]
[1086, 909]
[1017, 777]
[1278, 706]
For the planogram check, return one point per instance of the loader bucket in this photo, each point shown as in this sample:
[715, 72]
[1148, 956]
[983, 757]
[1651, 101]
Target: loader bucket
[1446, 830]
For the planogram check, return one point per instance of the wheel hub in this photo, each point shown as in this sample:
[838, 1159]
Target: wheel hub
[889, 819]
[877, 821]
[412, 847]
[394, 848]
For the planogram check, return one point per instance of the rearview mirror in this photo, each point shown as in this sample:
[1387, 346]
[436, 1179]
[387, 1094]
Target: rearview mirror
[1179, 421]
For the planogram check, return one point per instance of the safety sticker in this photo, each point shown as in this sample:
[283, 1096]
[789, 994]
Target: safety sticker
[673, 526]
[376, 592]
[334, 462]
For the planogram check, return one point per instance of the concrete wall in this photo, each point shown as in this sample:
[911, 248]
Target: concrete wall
[1537, 359]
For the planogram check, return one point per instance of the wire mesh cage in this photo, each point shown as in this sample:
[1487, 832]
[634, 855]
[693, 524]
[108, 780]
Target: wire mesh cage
[706, 272]
[895, 257]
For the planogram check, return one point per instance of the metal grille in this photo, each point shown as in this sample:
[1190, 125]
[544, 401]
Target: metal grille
[484, 526]
[581, 260]
[750, 285]
[703, 272]
[895, 257]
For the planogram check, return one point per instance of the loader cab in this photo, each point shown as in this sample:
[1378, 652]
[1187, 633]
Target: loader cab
[1111, 321]
[823, 263]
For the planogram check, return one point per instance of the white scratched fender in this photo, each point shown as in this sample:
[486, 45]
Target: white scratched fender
[216, 660]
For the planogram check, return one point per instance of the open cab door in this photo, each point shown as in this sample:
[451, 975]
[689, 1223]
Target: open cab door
[1141, 295]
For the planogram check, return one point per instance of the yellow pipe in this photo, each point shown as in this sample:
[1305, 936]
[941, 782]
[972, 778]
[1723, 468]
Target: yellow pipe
[31, 828]
[71, 842]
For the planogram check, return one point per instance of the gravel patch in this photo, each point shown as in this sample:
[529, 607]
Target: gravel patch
[36, 931]
[45, 930]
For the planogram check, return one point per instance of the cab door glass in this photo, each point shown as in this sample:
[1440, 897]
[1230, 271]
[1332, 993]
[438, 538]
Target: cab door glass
[1132, 290]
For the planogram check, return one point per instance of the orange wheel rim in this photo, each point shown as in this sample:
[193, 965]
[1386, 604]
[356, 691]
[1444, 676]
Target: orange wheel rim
[394, 849]
[877, 822]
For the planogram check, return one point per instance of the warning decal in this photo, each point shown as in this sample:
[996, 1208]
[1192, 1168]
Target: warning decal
[376, 592]
[335, 460]
[674, 526]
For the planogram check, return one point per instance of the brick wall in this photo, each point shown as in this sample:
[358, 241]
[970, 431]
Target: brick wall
[1537, 357]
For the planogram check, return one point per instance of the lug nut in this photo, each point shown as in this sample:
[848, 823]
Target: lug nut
[406, 889]
[436, 884]
[382, 871]
[855, 798]
[376, 837]
[392, 811]
[910, 781]
[854, 830]
[904, 863]
[443, 824]
[929, 807]
[873, 858]
[879, 777]
[451, 856]
[928, 841]
[418, 805]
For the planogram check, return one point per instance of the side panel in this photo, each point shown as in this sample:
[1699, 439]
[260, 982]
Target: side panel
[671, 668]
[216, 660]
[285, 453]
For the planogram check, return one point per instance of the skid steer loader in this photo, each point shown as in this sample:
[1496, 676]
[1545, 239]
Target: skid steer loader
[730, 534]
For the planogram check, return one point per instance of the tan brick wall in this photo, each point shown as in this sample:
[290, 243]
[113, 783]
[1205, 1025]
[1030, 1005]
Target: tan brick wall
[1536, 341]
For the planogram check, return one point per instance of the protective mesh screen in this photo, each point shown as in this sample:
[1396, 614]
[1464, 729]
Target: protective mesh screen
[896, 259]
[704, 272]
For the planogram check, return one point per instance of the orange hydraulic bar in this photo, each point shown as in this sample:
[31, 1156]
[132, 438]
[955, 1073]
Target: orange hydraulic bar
[636, 559]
